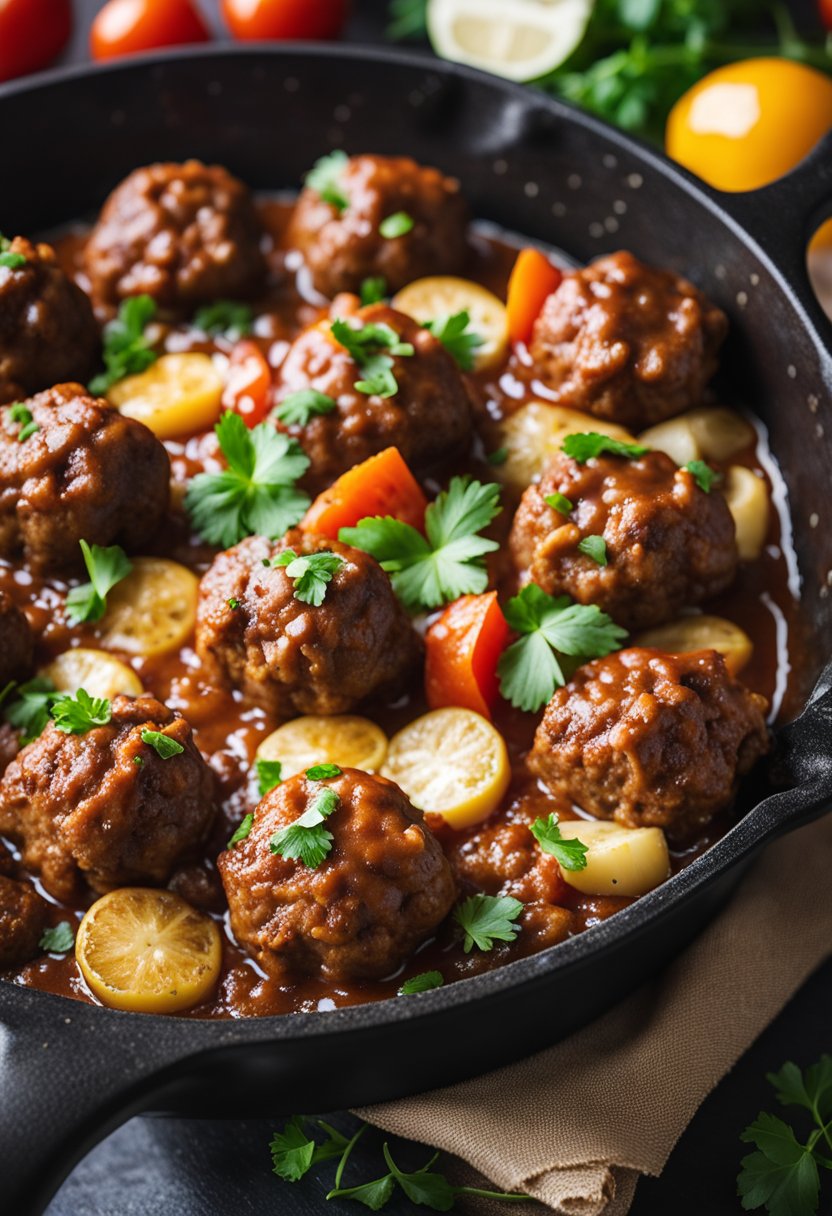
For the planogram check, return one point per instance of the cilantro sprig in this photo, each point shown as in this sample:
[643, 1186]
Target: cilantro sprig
[126, 349]
[551, 627]
[106, 567]
[22, 415]
[458, 340]
[585, 446]
[569, 852]
[230, 319]
[298, 408]
[256, 493]
[371, 347]
[449, 561]
[486, 919]
[311, 573]
[325, 179]
[306, 839]
[76, 715]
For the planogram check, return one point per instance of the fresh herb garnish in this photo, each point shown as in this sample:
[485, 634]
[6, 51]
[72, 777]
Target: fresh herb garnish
[126, 350]
[163, 745]
[230, 318]
[782, 1175]
[256, 493]
[530, 669]
[408, 20]
[422, 983]
[458, 340]
[584, 447]
[325, 179]
[323, 772]
[449, 562]
[18, 412]
[372, 290]
[559, 503]
[233, 603]
[367, 346]
[569, 853]
[29, 705]
[311, 573]
[397, 224]
[306, 403]
[269, 775]
[242, 831]
[488, 918]
[58, 939]
[499, 456]
[76, 715]
[307, 839]
[594, 547]
[106, 568]
[702, 474]
[11, 261]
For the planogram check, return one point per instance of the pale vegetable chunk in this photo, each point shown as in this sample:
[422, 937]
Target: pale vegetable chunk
[619, 861]
[343, 739]
[148, 951]
[98, 673]
[178, 395]
[747, 497]
[691, 633]
[153, 610]
[536, 431]
[442, 296]
[701, 434]
[451, 761]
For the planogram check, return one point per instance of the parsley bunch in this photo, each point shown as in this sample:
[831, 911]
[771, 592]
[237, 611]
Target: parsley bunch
[371, 347]
[106, 568]
[448, 562]
[256, 493]
[458, 340]
[126, 349]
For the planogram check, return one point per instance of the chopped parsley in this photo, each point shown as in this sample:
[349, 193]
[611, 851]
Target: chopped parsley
[59, 939]
[269, 775]
[256, 493]
[455, 336]
[569, 853]
[8, 259]
[310, 573]
[594, 547]
[29, 705]
[163, 745]
[422, 983]
[584, 447]
[487, 919]
[702, 474]
[323, 772]
[76, 715]
[306, 403]
[371, 347]
[450, 560]
[325, 179]
[306, 839]
[559, 503]
[106, 567]
[397, 224]
[530, 669]
[242, 831]
[233, 603]
[126, 349]
[294, 1153]
[373, 290]
[20, 413]
[229, 318]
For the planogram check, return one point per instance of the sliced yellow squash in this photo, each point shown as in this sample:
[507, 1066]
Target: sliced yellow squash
[178, 395]
[153, 610]
[536, 431]
[98, 673]
[344, 739]
[443, 296]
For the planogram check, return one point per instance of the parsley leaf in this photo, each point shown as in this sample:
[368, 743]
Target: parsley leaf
[325, 179]
[59, 939]
[230, 318]
[498, 456]
[559, 503]
[397, 224]
[594, 547]
[18, 412]
[306, 403]
[585, 446]
[306, 839]
[256, 493]
[78, 714]
[372, 289]
[242, 830]
[374, 1195]
[106, 568]
[310, 573]
[422, 983]
[366, 345]
[458, 340]
[488, 918]
[11, 261]
[449, 562]
[702, 474]
[163, 745]
[323, 772]
[28, 711]
[529, 669]
[126, 350]
[570, 854]
[268, 775]
[292, 1150]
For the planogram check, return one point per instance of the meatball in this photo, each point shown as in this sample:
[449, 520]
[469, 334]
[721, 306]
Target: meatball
[428, 418]
[379, 893]
[87, 473]
[343, 245]
[668, 543]
[651, 739]
[48, 332]
[291, 657]
[183, 234]
[16, 646]
[104, 806]
[626, 342]
[23, 918]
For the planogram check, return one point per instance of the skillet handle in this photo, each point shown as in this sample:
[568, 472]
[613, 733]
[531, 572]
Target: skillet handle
[802, 762]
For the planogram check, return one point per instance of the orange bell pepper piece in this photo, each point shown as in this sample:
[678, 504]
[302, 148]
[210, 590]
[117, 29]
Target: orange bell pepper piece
[533, 278]
[381, 485]
[462, 649]
[248, 383]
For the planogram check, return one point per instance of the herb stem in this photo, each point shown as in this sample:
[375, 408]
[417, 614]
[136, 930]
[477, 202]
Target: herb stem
[507, 1196]
[345, 1156]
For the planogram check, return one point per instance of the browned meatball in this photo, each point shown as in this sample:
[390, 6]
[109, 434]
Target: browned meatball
[23, 918]
[626, 342]
[344, 246]
[104, 806]
[290, 657]
[15, 642]
[381, 891]
[48, 332]
[87, 473]
[428, 418]
[651, 739]
[668, 543]
[183, 234]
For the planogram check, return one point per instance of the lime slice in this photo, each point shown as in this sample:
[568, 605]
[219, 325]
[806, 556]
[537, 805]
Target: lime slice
[517, 39]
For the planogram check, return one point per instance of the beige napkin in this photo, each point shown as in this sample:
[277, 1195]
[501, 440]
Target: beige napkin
[577, 1124]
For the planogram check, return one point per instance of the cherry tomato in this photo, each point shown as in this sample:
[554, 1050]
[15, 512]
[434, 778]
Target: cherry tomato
[32, 34]
[462, 648]
[125, 27]
[256, 20]
[248, 383]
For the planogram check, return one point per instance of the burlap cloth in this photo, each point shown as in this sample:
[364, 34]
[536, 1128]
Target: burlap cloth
[577, 1124]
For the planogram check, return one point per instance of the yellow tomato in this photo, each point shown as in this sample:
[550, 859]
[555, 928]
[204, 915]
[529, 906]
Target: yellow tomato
[748, 123]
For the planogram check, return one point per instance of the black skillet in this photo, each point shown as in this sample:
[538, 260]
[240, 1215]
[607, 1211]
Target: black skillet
[71, 1072]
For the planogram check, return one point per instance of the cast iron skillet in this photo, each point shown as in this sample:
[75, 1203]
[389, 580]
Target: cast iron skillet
[70, 1072]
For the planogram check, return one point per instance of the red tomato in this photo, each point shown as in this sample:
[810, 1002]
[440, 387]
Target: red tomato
[248, 383]
[825, 10]
[32, 34]
[259, 20]
[462, 650]
[125, 27]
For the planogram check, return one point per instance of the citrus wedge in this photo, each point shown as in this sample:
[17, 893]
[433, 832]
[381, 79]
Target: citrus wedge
[344, 739]
[443, 295]
[151, 611]
[98, 673]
